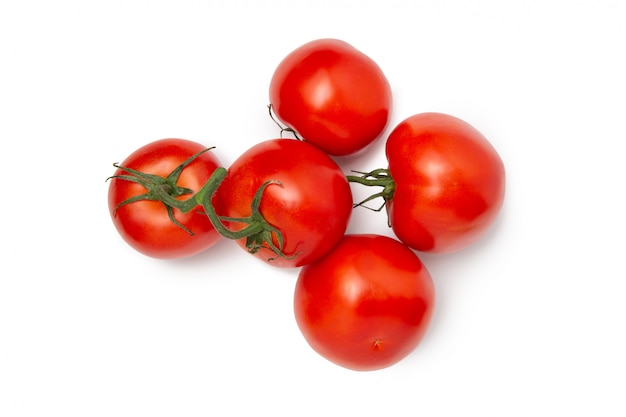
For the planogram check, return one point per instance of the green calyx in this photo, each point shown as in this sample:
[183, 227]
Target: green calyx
[163, 189]
[377, 178]
[257, 232]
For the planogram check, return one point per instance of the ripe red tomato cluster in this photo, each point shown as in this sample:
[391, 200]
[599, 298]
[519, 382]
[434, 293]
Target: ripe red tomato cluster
[362, 301]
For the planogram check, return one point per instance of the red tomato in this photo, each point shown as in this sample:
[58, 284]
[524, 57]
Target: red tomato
[311, 208]
[146, 225]
[365, 305]
[332, 95]
[449, 183]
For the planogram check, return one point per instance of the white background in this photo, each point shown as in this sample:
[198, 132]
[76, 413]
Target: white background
[530, 321]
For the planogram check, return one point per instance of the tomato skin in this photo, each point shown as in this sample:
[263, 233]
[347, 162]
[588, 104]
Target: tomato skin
[332, 95]
[145, 225]
[365, 305]
[311, 209]
[450, 183]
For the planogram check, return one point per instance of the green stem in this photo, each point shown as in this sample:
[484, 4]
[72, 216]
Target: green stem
[204, 196]
[283, 129]
[257, 232]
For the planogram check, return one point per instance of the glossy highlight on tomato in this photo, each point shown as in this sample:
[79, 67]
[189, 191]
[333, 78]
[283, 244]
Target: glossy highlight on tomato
[367, 304]
[309, 203]
[333, 95]
[146, 225]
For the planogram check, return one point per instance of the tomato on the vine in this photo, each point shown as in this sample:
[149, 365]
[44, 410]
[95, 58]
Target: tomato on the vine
[445, 183]
[332, 95]
[164, 168]
[367, 304]
[307, 201]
